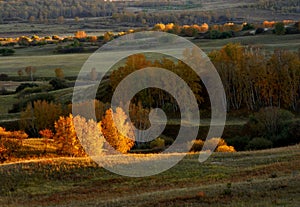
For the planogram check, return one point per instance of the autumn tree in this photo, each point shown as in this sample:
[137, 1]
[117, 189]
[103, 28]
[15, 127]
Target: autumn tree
[30, 71]
[59, 73]
[20, 72]
[40, 115]
[99, 109]
[108, 36]
[119, 138]
[60, 19]
[90, 135]
[65, 137]
[80, 34]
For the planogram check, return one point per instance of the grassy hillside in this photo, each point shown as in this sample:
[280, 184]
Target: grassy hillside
[258, 178]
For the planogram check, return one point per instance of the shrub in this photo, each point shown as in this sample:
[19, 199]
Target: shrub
[168, 141]
[248, 27]
[259, 30]
[3, 77]
[238, 142]
[214, 142]
[259, 143]
[58, 83]
[6, 52]
[214, 34]
[197, 145]
[225, 148]
[157, 143]
[23, 103]
[22, 86]
[268, 122]
[279, 28]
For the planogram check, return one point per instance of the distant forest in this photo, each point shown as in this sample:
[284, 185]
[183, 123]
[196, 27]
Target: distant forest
[127, 11]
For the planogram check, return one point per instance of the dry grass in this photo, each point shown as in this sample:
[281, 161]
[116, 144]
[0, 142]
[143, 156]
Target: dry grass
[259, 178]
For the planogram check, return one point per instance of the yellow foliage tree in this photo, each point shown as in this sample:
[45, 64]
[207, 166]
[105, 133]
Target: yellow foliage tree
[118, 138]
[65, 137]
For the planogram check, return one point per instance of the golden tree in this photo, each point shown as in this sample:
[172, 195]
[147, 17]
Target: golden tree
[117, 137]
[65, 137]
[59, 73]
[90, 135]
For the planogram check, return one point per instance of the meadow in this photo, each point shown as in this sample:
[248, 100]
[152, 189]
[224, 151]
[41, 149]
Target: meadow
[39, 176]
[251, 178]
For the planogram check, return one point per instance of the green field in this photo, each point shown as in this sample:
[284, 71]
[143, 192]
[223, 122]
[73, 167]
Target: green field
[43, 59]
[258, 178]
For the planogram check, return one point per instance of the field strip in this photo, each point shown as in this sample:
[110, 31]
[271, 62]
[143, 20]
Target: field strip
[186, 192]
[45, 160]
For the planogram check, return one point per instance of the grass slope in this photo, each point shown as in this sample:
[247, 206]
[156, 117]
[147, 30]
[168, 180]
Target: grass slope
[260, 178]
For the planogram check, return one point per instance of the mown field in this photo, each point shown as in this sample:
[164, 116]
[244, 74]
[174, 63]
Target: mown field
[257, 178]
[45, 61]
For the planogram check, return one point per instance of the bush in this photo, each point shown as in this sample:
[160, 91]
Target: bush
[197, 145]
[219, 144]
[225, 148]
[238, 142]
[214, 34]
[290, 135]
[259, 143]
[18, 107]
[248, 27]
[3, 77]
[58, 83]
[22, 86]
[268, 122]
[279, 28]
[157, 143]
[259, 30]
[7, 52]
[214, 142]
[168, 141]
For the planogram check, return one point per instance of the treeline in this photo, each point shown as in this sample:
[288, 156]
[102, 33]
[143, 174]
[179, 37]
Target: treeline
[43, 10]
[178, 17]
[253, 79]
[291, 6]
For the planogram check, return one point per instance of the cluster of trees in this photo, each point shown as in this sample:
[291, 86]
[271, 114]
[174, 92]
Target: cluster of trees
[254, 80]
[269, 127]
[291, 6]
[152, 98]
[49, 120]
[178, 17]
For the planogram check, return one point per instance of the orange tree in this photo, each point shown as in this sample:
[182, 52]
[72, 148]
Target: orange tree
[117, 137]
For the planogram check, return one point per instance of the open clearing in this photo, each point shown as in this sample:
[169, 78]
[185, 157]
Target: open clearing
[260, 178]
